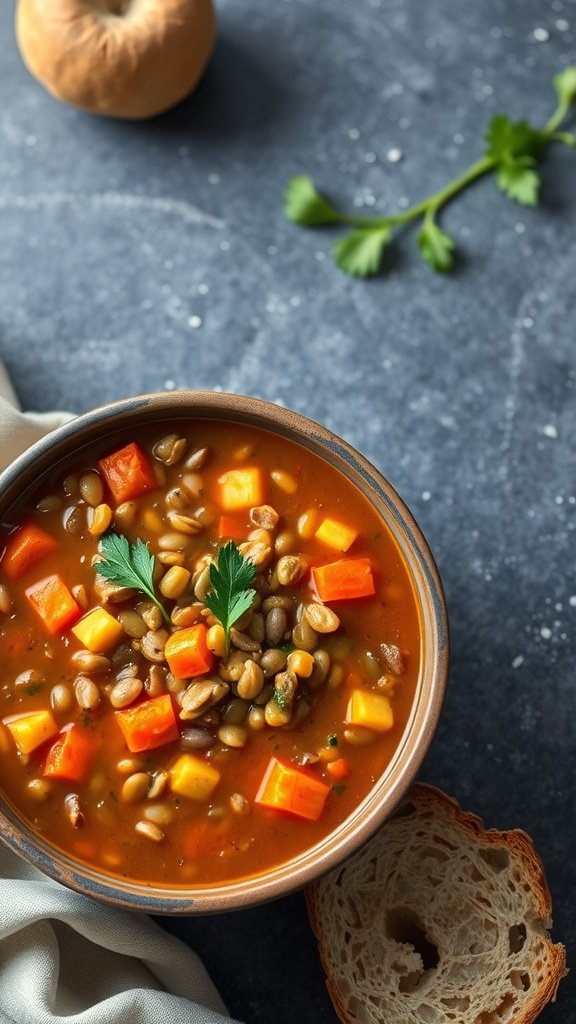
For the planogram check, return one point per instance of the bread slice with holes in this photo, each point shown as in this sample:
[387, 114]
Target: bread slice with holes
[437, 920]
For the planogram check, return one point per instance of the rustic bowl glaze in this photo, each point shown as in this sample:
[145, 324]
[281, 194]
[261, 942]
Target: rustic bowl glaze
[103, 423]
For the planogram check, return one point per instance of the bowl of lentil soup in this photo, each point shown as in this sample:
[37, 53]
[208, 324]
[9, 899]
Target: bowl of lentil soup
[225, 649]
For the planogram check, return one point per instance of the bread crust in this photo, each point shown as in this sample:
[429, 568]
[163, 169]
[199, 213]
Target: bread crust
[385, 879]
[132, 64]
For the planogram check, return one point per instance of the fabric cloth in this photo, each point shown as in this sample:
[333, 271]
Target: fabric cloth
[65, 958]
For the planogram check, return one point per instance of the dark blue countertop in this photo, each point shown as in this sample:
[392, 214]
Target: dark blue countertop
[151, 256]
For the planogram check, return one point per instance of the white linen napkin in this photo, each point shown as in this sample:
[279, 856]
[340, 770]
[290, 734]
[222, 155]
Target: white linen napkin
[67, 959]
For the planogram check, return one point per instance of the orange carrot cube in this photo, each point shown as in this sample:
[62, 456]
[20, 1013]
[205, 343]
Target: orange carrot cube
[187, 653]
[347, 579]
[54, 603]
[128, 473]
[292, 790]
[25, 548]
[149, 724]
[69, 757]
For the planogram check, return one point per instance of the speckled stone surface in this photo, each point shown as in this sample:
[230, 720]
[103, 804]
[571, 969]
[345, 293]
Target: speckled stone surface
[137, 257]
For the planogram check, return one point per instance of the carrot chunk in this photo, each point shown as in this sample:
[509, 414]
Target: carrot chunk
[69, 757]
[340, 581]
[230, 528]
[241, 488]
[31, 730]
[25, 548]
[187, 653]
[149, 724]
[292, 790]
[54, 603]
[128, 473]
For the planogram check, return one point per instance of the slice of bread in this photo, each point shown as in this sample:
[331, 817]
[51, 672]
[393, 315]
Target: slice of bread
[437, 920]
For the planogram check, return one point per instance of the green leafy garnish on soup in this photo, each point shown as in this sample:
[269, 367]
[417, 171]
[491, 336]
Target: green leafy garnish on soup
[231, 596]
[129, 565]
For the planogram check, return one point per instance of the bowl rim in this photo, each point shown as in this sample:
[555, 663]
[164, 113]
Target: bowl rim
[418, 733]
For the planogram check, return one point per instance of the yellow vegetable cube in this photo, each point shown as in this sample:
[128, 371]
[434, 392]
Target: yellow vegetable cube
[192, 777]
[98, 631]
[372, 710]
[336, 535]
[241, 488]
[31, 730]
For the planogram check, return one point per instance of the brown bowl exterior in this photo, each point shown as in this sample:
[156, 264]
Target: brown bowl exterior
[97, 426]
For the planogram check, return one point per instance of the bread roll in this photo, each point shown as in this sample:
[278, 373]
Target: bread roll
[435, 921]
[123, 58]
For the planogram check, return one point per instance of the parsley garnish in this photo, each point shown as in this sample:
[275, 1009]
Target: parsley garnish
[230, 576]
[513, 149]
[332, 740]
[339, 789]
[128, 565]
[34, 688]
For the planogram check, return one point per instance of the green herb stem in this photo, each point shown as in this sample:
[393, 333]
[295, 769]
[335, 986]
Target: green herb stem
[512, 152]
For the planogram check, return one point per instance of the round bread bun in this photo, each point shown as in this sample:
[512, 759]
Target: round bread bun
[123, 58]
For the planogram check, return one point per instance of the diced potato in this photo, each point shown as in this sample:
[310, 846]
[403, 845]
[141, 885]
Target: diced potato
[371, 710]
[241, 488]
[336, 535]
[30, 731]
[98, 631]
[192, 777]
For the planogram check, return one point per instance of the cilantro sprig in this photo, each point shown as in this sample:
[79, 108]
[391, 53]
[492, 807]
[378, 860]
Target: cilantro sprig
[128, 565]
[512, 153]
[231, 596]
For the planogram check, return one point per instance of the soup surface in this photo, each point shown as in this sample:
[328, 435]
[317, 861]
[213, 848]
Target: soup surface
[232, 708]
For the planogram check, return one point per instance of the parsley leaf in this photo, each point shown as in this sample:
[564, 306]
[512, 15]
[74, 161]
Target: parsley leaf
[511, 151]
[436, 247]
[517, 179]
[128, 565]
[304, 205]
[360, 252]
[230, 576]
[506, 139]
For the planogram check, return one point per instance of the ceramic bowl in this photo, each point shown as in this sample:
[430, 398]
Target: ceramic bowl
[96, 427]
